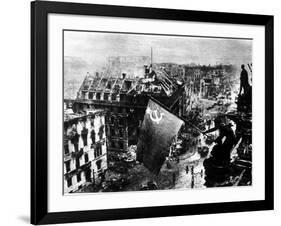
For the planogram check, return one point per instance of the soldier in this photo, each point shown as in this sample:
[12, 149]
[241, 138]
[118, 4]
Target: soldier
[217, 166]
[244, 81]
[222, 150]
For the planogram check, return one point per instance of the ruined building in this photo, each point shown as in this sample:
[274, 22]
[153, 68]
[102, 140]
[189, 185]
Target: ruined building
[85, 153]
[125, 100]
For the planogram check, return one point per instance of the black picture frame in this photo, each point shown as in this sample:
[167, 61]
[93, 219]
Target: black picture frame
[39, 112]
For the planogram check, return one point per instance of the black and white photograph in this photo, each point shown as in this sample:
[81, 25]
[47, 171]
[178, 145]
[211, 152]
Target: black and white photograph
[156, 112]
[148, 112]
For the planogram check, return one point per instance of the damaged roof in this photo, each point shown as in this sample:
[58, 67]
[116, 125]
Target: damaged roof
[160, 83]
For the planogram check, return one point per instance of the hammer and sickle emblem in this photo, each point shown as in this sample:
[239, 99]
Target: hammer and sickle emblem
[156, 118]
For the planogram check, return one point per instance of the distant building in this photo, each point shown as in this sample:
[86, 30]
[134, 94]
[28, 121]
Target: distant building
[172, 69]
[85, 151]
[132, 66]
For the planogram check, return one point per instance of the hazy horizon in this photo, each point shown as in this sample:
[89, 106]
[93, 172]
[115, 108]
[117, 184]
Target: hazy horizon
[96, 47]
[89, 51]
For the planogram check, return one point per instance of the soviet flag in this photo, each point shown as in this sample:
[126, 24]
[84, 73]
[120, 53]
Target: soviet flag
[159, 127]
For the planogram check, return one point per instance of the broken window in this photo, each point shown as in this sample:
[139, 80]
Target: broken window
[93, 136]
[112, 131]
[66, 149]
[91, 95]
[128, 85]
[121, 121]
[122, 97]
[113, 96]
[69, 182]
[67, 166]
[106, 95]
[86, 157]
[121, 145]
[115, 109]
[98, 163]
[98, 150]
[98, 96]
[101, 131]
[88, 175]
[79, 177]
[77, 162]
[121, 132]
[84, 134]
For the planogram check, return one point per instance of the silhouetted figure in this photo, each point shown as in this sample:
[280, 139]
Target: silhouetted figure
[217, 166]
[221, 152]
[244, 80]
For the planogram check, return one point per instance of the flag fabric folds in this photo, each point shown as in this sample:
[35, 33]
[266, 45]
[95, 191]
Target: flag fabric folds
[159, 127]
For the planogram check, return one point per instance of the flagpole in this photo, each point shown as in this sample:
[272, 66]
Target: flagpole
[151, 56]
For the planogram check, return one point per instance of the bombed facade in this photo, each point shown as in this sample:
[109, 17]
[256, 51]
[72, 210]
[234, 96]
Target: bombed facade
[85, 151]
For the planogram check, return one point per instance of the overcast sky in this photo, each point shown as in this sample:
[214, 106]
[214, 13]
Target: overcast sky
[94, 48]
